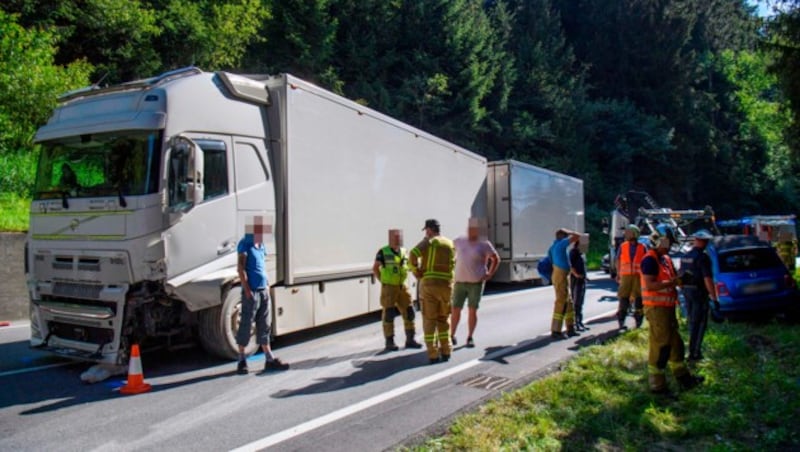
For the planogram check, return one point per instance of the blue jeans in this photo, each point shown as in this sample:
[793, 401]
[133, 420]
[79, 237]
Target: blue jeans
[256, 309]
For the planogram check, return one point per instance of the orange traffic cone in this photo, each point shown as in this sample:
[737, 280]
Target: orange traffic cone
[135, 383]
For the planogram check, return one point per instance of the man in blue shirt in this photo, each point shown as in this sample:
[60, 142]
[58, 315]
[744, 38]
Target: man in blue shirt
[256, 307]
[564, 311]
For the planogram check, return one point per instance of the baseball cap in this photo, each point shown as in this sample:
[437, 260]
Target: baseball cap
[431, 223]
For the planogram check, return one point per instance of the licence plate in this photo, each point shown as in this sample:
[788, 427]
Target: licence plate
[761, 287]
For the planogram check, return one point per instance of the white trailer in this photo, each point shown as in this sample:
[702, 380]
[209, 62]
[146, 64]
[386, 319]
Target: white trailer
[526, 205]
[143, 190]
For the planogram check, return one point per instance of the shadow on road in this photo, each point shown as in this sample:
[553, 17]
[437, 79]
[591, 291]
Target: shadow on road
[367, 371]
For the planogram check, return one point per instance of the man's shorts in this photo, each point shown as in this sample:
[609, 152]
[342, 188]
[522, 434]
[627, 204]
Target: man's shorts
[470, 292]
[629, 286]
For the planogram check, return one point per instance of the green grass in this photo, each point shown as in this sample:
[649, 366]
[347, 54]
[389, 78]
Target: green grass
[600, 401]
[13, 212]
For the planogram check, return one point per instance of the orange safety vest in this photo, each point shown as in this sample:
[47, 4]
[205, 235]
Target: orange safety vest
[626, 266]
[662, 297]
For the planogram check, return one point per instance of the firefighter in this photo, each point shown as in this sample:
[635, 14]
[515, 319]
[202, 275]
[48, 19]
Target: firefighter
[391, 269]
[433, 263]
[697, 284]
[660, 298]
[630, 255]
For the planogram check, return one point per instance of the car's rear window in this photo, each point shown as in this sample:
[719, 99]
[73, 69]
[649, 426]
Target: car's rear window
[746, 260]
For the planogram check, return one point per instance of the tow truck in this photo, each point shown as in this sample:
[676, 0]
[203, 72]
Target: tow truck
[640, 209]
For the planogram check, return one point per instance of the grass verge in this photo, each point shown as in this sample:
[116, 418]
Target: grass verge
[600, 400]
[13, 212]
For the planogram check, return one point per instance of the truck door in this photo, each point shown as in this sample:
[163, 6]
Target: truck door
[202, 231]
[255, 192]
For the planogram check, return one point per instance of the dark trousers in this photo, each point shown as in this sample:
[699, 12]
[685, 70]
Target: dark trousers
[577, 290]
[697, 314]
[255, 310]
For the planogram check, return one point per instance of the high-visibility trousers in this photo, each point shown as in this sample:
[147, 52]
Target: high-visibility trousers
[434, 297]
[665, 346]
[396, 300]
[563, 311]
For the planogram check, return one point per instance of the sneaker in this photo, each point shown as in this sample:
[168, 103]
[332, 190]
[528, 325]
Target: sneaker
[241, 367]
[275, 364]
[470, 342]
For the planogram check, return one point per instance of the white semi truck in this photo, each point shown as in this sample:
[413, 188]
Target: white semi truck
[143, 190]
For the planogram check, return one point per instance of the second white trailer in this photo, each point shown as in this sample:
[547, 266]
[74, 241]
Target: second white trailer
[526, 205]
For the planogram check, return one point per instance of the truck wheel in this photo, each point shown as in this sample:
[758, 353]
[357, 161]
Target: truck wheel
[217, 327]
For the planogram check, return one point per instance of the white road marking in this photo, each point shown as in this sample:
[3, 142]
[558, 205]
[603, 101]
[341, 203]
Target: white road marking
[313, 424]
[15, 325]
[34, 369]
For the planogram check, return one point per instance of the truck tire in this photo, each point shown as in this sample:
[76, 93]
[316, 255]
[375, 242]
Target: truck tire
[217, 327]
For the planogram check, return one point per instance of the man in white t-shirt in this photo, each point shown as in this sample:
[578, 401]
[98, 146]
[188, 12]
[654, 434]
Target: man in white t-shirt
[476, 263]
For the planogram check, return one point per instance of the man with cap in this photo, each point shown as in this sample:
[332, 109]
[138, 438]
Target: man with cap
[660, 299]
[433, 263]
[697, 284]
[629, 260]
[391, 269]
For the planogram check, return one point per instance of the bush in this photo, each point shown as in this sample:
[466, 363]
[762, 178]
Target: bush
[19, 173]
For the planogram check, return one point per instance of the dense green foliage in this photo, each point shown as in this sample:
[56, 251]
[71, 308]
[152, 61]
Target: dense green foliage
[668, 96]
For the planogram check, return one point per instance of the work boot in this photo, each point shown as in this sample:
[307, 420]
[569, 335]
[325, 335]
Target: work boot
[445, 358]
[689, 381]
[390, 345]
[639, 320]
[410, 342]
[572, 333]
[470, 342]
[241, 367]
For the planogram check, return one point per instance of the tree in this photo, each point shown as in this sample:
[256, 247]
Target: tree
[30, 83]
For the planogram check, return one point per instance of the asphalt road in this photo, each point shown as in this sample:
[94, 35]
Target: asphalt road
[341, 393]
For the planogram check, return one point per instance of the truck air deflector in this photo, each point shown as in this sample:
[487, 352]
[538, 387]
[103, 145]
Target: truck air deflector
[245, 88]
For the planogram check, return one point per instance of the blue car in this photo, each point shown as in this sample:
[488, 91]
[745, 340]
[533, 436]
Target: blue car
[750, 277]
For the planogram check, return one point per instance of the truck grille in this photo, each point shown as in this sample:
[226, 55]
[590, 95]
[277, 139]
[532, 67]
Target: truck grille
[74, 290]
[81, 333]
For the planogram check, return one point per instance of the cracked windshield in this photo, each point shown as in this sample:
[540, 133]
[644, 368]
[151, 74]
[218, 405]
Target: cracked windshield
[99, 165]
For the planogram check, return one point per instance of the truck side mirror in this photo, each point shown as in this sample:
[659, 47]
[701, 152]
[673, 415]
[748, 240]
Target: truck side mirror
[186, 163]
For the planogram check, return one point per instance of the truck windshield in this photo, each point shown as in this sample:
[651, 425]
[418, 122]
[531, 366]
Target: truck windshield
[109, 164]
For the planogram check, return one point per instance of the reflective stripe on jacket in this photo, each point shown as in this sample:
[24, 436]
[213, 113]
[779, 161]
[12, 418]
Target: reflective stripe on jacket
[438, 259]
[626, 265]
[667, 297]
[394, 269]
